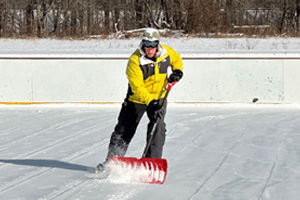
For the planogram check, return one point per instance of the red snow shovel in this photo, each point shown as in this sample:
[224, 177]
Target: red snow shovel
[146, 170]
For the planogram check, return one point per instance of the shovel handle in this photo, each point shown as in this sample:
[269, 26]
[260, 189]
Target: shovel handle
[169, 87]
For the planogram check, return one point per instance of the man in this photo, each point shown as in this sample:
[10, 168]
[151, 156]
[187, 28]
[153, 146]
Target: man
[147, 75]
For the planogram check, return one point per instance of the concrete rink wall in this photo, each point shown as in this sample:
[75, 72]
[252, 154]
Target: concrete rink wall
[102, 80]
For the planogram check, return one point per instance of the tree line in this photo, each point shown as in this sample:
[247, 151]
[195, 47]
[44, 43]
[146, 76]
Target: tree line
[87, 18]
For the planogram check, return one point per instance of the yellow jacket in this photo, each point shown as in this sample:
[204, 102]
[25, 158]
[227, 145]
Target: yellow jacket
[148, 79]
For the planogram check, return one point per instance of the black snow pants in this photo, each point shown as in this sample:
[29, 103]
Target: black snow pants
[128, 120]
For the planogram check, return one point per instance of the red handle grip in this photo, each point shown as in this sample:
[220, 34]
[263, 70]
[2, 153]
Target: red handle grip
[170, 85]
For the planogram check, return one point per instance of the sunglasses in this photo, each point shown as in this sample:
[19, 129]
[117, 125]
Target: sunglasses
[150, 44]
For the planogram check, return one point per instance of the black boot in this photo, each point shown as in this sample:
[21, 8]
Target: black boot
[102, 167]
[117, 147]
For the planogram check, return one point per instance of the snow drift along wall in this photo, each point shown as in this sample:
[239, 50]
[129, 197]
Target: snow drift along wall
[210, 79]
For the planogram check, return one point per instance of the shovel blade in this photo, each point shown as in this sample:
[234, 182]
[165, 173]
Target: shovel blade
[145, 170]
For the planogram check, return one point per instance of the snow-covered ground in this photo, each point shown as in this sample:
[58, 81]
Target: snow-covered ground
[215, 151]
[187, 47]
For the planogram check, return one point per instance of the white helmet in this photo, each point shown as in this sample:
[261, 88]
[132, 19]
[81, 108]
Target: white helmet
[151, 34]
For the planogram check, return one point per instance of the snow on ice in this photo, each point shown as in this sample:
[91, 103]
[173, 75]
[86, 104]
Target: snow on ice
[214, 152]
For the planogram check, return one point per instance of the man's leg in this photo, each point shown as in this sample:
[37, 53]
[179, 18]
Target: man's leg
[158, 140]
[129, 118]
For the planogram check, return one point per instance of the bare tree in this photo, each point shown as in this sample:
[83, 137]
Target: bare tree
[77, 18]
[203, 17]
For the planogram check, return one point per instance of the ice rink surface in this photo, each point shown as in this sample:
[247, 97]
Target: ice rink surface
[214, 151]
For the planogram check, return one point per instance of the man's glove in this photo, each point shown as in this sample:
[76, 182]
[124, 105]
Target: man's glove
[159, 111]
[175, 76]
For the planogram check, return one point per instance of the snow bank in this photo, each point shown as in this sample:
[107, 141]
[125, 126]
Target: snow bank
[188, 47]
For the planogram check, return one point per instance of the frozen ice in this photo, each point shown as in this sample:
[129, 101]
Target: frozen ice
[214, 151]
